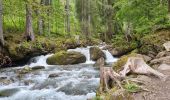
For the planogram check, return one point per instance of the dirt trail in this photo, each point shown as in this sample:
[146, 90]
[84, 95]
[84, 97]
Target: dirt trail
[158, 90]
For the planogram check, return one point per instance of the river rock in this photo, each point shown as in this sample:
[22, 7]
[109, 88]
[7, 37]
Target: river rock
[38, 67]
[167, 46]
[54, 75]
[115, 52]
[164, 67]
[96, 53]
[66, 58]
[8, 92]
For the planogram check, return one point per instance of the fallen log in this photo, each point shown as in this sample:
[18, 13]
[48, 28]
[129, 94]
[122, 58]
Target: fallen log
[137, 65]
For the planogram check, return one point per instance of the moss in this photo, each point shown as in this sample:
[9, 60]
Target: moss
[132, 87]
[65, 58]
[154, 42]
[56, 58]
[121, 45]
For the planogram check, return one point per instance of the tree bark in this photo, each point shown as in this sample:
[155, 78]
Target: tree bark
[40, 20]
[29, 34]
[2, 42]
[48, 3]
[107, 76]
[169, 6]
[68, 16]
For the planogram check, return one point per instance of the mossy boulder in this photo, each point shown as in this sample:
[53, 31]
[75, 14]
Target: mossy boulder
[121, 46]
[153, 43]
[96, 53]
[66, 58]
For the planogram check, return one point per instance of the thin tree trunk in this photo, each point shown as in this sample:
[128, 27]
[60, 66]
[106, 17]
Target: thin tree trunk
[68, 16]
[169, 6]
[40, 20]
[48, 3]
[1, 26]
[29, 34]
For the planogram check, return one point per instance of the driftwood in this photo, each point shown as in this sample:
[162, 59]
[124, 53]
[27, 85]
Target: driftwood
[137, 65]
[107, 76]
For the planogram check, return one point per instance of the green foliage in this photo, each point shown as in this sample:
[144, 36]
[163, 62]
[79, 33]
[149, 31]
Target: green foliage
[132, 87]
[119, 43]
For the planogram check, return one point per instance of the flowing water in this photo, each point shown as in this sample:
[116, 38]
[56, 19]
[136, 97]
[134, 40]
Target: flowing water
[70, 82]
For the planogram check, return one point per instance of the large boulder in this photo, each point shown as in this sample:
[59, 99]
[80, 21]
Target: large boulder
[8, 92]
[96, 53]
[66, 58]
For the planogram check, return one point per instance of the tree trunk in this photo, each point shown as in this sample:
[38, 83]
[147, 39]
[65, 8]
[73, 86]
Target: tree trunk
[48, 3]
[40, 20]
[128, 28]
[169, 6]
[68, 16]
[29, 34]
[1, 26]
[107, 76]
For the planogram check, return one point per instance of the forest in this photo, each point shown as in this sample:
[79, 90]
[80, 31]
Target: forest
[84, 49]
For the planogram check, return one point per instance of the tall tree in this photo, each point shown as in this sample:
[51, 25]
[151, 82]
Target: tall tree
[29, 34]
[40, 19]
[67, 7]
[1, 25]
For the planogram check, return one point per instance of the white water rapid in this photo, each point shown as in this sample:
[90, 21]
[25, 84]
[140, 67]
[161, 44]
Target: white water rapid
[67, 82]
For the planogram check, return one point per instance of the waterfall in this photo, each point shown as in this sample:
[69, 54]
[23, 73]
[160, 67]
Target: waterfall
[86, 52]
[40, 60]
[109, 57]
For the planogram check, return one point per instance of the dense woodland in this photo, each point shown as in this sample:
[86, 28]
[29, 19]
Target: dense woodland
[33, 27]
[91, 18]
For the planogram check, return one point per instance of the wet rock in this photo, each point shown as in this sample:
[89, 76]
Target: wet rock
[3, 77]
[167, 46]
[25, 70]
[96, 53]
[54, 75]
[66, 58]
[28, 82]
[5, 81]
[5, 61]
[116, 53]
[38, 67]
[78, 89]
[164, 67]
[99, 62]
[45, 85]
[8, 92]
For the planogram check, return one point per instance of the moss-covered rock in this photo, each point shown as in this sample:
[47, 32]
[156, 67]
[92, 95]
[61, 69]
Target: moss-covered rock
[96, 53]
[66, 58]
[153, 43]
[121, 46]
